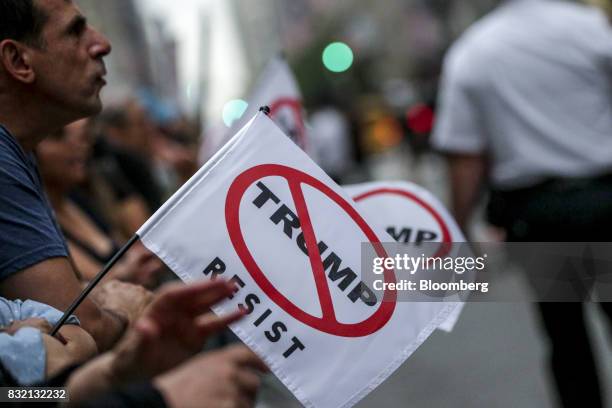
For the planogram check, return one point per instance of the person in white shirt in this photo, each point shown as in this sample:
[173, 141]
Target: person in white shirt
[330, 141]
[525, 106]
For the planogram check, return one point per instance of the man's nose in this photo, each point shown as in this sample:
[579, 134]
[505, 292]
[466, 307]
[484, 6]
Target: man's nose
[100, 46]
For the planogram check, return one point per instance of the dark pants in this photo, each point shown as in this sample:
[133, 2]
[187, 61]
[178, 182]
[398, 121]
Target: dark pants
[559, 211]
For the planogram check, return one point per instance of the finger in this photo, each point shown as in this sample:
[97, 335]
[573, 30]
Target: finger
[39, 323]
[202, 303]
[243, 356]
[36, 321]
[147, 278]
[46, 327]
[207, 296]
[111, 286]
[235, 397]
[248, 381]
[153, 260]
[211, 323]
[147, 328]
[61, 338]
[145, 257]
[189, 300]
[245, 401]
[149, 269]
[153, 263]
[138, 249]
[179, 292]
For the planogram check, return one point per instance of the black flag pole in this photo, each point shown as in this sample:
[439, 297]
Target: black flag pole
[92, 284]
[266, 110]
[77, 302]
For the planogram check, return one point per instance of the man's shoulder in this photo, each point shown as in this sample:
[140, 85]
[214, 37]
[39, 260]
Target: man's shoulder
[11, 154]
[532, 18]
[8, 141]
[485, 30]
[16, 167]
[522, 31]
[466, 62]
[28, 233]
[477, 43]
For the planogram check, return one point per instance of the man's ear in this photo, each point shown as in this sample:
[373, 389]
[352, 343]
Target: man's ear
[15, 59]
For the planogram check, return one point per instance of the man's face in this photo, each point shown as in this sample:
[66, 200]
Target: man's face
[69, 66]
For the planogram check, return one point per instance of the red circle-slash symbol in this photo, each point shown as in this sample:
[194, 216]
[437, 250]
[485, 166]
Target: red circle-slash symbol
[328, 322]
[446, 243]
[294, 124]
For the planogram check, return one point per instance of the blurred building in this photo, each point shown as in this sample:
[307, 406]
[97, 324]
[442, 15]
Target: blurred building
[128, 65]
[223, 53]
[163, 56]
[144, 55]
[258, 24]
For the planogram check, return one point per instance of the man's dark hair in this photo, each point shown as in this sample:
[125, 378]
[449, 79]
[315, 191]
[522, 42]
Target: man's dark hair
[21, 20]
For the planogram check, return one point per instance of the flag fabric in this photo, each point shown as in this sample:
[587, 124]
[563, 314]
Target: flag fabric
[261, 214]
[409, 213]
[278, 89]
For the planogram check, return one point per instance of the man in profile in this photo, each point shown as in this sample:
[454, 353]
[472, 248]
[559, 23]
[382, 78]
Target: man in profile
[51, 74]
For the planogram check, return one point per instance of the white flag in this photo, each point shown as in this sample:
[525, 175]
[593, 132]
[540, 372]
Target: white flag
[263, 215]
[278, 89]
[410, 214]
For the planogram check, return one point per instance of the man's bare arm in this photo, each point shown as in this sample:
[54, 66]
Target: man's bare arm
[467, 176]
[76, 347]
[54, 282]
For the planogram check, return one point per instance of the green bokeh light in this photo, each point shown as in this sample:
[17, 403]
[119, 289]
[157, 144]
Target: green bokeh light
[233, 110]
[338, 57]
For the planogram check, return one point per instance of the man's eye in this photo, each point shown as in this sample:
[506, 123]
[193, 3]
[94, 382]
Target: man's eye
[77, 28]
[77, 31]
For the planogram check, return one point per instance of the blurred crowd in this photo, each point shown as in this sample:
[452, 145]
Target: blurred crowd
[106, 175]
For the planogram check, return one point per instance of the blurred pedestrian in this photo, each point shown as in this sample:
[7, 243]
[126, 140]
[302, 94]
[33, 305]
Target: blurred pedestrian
[123, 152]
[64, 160]
[525, 106]
[330, 140]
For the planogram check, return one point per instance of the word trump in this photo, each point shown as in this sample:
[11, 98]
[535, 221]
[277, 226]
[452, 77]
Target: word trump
[412, 264]
[347, 280]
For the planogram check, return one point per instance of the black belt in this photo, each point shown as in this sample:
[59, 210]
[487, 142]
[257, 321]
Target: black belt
[502, 202]
[560, 184]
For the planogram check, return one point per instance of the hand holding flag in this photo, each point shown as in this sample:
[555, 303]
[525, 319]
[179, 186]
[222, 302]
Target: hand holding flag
[173, 328]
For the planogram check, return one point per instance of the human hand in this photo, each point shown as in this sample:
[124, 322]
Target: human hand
[138, 266]
[35, 322]
[71, 346]
[174, 327]
[225, 378]
[81, 346]
[122, 298]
